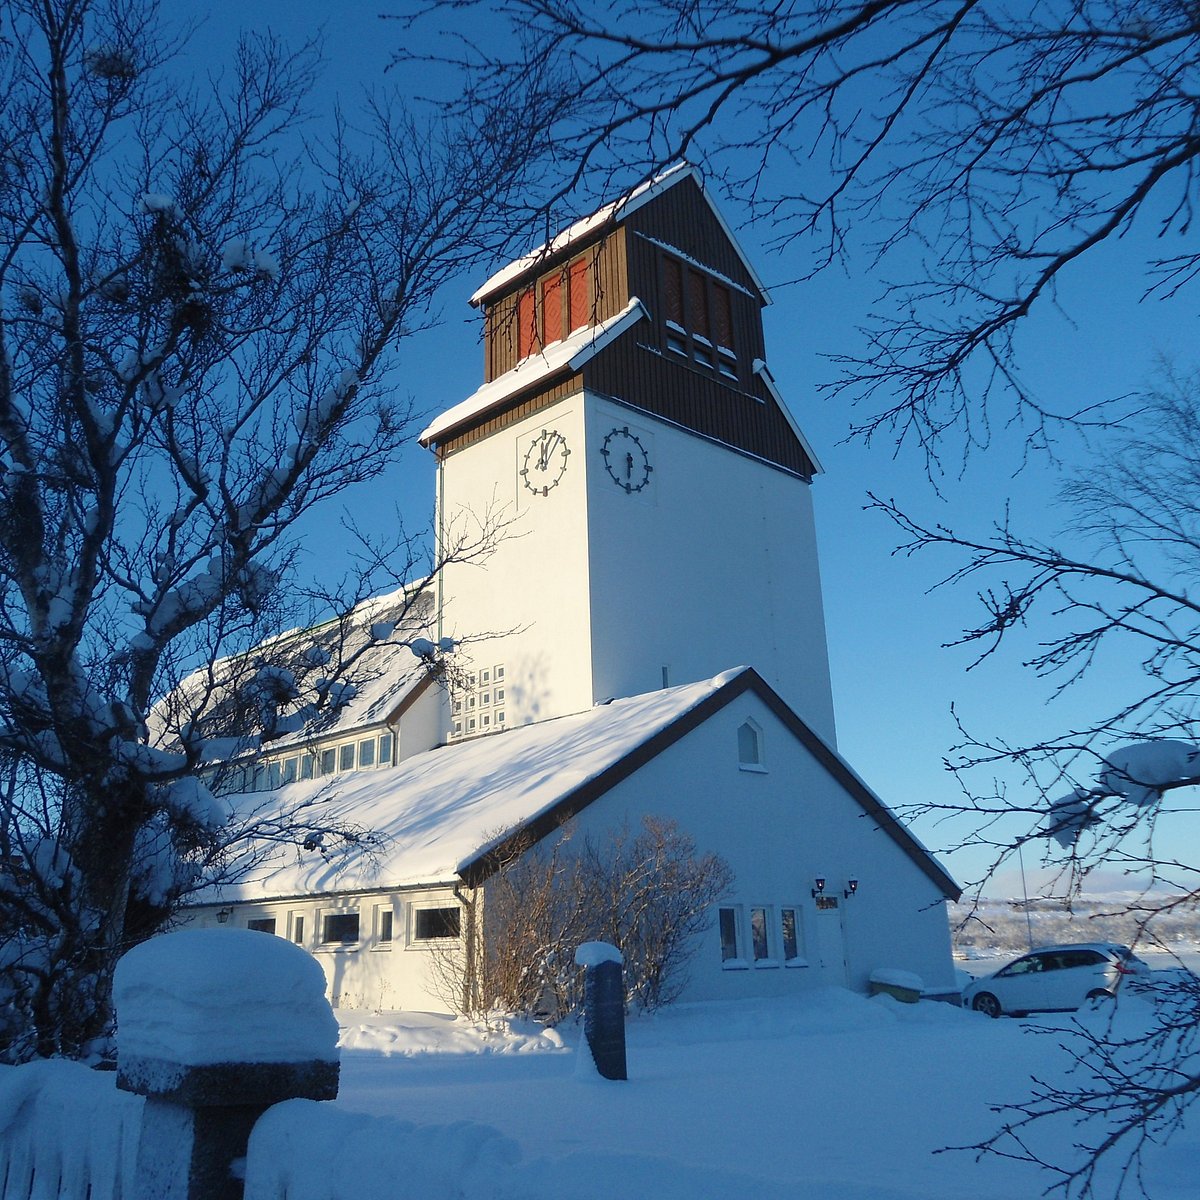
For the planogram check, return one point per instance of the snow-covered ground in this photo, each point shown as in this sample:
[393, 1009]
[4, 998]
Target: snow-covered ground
[834, 1094]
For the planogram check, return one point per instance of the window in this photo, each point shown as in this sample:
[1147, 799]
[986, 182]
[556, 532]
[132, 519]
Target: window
[385, 925]
[433, 923]
[289, 769]
[749, 746]
[340, 929]
[274, 775]
[298, 930]
[262, 924]
[328, 761]
[760, 940]
[728, 924]
[346, 757]
[306, 766]
[366, 753]
[790, 927]
[698, 312]
[552, 309]
[385, 749]
[579, 309]
[526, 324]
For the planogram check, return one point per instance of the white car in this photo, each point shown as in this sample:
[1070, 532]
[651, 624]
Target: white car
[1054, 979]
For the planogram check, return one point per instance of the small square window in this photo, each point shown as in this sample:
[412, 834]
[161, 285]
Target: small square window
[500, 717]
[497, 672]
[485, 698]
[340, 929]
[346, 757]
[471, 724]
[485, 720]
[484, 676]
[499, 695]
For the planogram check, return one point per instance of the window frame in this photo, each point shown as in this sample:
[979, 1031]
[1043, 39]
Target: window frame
[343, 943]
[698, 318]
[757, 764]
[729, 922]
[417, 909]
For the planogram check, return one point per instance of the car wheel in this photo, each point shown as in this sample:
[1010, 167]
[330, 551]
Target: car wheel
[987, 1004]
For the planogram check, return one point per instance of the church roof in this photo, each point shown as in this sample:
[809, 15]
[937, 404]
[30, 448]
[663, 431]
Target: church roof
[611, 214]
[453, 812]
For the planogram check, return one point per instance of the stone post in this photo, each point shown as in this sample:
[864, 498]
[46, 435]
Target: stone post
[604, 1007]
[213, 1027]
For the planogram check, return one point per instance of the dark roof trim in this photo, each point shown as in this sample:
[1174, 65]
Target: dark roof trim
[477, 870]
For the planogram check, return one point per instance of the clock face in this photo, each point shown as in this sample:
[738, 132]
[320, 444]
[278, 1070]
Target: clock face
[626, 460]
[545, 461]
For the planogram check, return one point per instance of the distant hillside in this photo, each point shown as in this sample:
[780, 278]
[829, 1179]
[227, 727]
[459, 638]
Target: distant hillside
[993, 927]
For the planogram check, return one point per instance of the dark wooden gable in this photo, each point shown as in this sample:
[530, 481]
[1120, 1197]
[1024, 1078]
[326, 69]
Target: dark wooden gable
[692, 363]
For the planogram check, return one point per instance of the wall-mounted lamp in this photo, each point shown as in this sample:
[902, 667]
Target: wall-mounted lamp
[223, 915]
[851, 888]
[819, 886]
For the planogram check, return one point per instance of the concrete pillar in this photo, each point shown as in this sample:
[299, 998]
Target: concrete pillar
[214, 1027]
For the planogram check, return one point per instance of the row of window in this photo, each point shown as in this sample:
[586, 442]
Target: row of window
[345, 928]
[362, 754]
[761, 936]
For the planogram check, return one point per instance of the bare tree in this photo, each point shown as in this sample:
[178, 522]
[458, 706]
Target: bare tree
[994, 146]
[200, 301]
[650, 893]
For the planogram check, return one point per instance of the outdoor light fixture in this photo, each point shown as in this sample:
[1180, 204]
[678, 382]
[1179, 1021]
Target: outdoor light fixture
[819, 889]
[224, 915]
[851, 888]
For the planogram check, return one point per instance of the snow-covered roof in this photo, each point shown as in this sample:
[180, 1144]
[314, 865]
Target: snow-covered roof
[439, 815]
[365, 651]
[567, 355]
[611, 213]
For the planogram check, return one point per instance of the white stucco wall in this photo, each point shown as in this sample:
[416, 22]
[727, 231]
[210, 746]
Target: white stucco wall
[526, 606]
[780, 829]
[593, 591]
[371, 973]
[712, 565]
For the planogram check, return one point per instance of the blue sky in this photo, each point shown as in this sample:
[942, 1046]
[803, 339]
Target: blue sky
[893, 682]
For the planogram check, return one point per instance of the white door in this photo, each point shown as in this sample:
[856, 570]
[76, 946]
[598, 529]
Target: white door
[831, 941]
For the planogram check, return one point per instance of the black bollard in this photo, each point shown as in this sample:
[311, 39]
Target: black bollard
[604, 1007]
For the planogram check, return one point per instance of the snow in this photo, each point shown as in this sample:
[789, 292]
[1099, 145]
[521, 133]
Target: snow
[592, 954]
[829, 1093]
[203, 996]
[435, 812]
[569, 354]
[893, 977]
[1140, 770]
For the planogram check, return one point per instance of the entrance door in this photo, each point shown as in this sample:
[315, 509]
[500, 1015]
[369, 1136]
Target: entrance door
[831, 941]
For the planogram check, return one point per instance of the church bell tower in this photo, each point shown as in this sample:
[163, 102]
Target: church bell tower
[654, 486]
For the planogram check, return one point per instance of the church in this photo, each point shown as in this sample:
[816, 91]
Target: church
[655, 647]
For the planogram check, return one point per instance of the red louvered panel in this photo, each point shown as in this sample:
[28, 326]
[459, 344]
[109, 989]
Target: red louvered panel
[552, 308]
[579, 304]
[526, 324]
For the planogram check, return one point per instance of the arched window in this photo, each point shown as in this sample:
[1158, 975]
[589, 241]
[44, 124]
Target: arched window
[750, 745]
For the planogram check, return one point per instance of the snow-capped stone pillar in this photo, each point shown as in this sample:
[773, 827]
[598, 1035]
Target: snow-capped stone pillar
[213, 1027]
[604, 1007]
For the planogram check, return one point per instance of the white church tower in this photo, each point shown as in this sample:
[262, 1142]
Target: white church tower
[657, 490]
